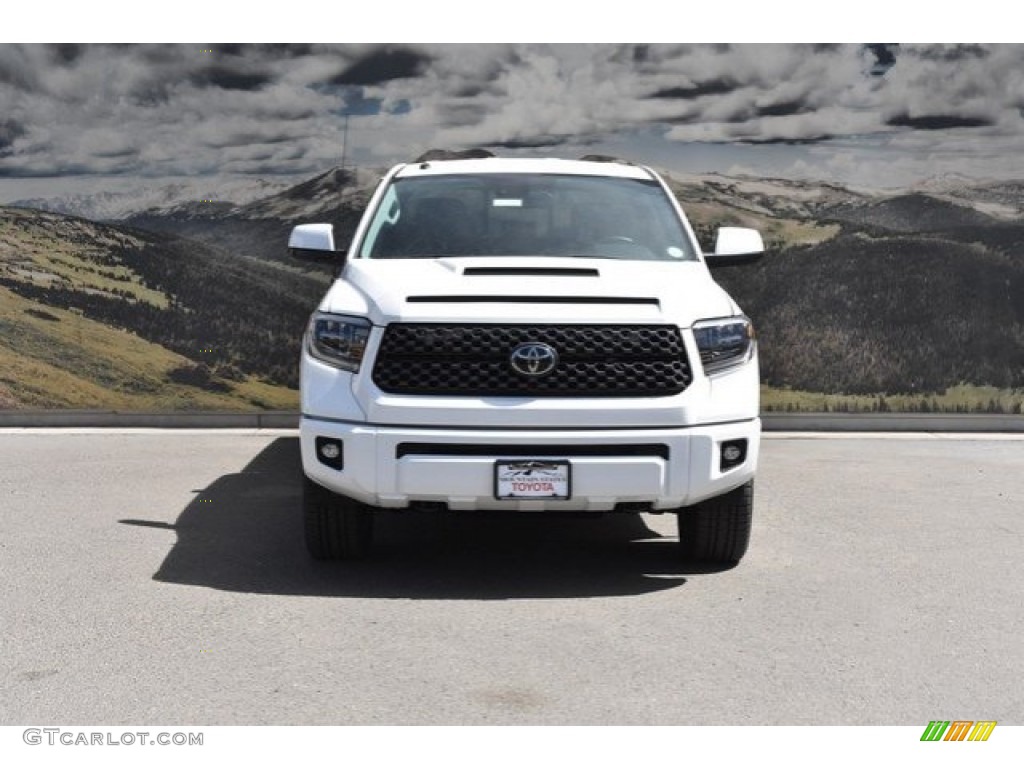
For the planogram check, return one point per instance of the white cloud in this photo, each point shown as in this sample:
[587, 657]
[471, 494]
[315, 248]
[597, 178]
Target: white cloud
[172, 110]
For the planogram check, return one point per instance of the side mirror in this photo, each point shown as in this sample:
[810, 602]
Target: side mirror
[735, 246]
[313, 242]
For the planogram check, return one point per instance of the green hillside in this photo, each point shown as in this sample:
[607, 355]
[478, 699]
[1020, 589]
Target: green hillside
[57, 358]
[95, 316]
[899, 314]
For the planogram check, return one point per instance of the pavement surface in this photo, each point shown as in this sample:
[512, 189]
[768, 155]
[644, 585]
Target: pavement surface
[161, 577]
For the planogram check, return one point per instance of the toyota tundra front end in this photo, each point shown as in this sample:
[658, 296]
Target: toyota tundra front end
[533, 335]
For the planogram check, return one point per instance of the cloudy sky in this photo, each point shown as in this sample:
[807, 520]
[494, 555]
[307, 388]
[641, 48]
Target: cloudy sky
[875, 115]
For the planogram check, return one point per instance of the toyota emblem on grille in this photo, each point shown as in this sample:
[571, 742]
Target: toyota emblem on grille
[534, 359]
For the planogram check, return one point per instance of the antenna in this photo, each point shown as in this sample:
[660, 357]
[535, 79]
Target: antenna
[344, 144]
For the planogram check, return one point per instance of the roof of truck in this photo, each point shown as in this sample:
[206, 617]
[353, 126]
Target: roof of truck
[524, 165]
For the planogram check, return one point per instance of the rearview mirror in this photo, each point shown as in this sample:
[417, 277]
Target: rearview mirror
[735, 246]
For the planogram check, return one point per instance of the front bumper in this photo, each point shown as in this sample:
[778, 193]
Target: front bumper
[395, 467]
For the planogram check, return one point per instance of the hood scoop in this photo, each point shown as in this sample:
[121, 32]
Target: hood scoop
[472, 299]
[530, 272]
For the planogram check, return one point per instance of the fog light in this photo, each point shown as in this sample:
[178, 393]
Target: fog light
[329, 452]
[734, 453]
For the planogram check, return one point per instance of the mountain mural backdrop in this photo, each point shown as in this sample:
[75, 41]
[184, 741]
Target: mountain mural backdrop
[908, 301]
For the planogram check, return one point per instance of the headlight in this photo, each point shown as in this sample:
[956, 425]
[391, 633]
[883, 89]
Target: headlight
[725, 342]
[338, 340]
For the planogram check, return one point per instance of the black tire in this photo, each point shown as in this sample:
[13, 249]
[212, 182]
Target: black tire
[337, 528]
[716, 532]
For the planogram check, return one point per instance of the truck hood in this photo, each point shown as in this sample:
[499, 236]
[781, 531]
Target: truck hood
[527, 289]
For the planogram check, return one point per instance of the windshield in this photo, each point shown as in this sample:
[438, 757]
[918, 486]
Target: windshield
[526, 215]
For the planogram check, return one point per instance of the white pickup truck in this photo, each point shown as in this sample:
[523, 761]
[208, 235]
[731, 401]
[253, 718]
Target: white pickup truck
[528, 334]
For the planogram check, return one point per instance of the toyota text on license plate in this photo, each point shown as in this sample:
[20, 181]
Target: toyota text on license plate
[531, 479]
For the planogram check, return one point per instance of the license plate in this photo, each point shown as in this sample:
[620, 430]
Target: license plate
[531, 479]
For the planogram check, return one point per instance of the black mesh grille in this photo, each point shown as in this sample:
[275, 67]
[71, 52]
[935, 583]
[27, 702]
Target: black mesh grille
[596, 360]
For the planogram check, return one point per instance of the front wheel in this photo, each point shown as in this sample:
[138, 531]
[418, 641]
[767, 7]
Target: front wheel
[717, 531]
[337, 528]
